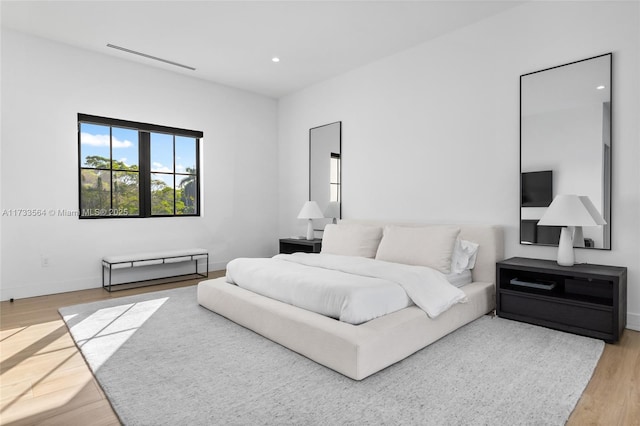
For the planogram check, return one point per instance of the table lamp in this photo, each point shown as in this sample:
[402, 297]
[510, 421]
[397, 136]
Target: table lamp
[310, 211]
[572, 212]
[332, 211]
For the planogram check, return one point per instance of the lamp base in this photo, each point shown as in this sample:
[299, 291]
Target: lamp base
[565, 247]
[578, 237]
[310, 234]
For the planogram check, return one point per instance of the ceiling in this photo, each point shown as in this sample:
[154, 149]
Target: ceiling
[233, 42]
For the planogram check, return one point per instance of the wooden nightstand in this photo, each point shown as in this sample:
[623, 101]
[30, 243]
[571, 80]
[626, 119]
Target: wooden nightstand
[294, 245]
[583, 299]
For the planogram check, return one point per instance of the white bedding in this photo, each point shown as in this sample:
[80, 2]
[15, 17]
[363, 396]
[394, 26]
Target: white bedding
[351, 289]
[460, 279]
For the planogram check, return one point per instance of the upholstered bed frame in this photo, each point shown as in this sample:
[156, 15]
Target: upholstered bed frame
[357, 351]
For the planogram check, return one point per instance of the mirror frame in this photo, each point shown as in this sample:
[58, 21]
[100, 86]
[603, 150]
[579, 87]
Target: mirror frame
[326, 220]
[606, 157]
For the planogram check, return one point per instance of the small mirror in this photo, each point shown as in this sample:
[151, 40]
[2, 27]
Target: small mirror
[325, 171]
[565, 145]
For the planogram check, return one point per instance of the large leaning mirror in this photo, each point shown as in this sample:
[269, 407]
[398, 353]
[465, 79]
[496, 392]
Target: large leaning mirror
[325, 164]
[565, 146]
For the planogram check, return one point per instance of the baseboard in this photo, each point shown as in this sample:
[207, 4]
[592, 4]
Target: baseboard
[633, 321]
[48, 288]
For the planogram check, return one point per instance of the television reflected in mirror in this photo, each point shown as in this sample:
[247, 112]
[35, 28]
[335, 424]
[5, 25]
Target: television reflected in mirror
[536, 188]
[565, 145]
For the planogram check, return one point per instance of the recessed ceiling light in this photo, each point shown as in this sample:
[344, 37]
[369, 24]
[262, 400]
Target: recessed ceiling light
[275, 59]
[600, 87]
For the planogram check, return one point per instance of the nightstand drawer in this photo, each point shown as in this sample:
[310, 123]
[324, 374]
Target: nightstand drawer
[587, 316]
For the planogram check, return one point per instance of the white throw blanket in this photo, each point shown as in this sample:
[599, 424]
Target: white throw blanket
[352, 289]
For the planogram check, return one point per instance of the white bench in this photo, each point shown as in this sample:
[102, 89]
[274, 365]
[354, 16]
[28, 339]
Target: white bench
[110, 263]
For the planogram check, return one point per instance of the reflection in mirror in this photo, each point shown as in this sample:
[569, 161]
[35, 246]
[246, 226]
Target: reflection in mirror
[565, 145]
[325, 164]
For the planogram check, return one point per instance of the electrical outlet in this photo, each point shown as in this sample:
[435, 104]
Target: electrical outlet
[45, 261]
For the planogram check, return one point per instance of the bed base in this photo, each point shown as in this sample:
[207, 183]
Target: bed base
[356, 351]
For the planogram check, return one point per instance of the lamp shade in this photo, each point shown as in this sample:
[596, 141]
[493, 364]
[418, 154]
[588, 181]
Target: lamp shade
[310, 210]
[571, 210]
[332, 210]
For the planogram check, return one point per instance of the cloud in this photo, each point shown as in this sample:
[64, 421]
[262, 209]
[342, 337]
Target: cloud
[103, 140]
[159, 167]
[121, 144]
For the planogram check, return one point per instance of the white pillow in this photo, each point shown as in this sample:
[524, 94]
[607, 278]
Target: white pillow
[464, 256]
[430, 246]
[351, 240]
[461, 279]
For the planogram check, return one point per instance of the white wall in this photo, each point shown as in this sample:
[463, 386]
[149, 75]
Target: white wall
[44, 86]
[1, 202]
[432, 134]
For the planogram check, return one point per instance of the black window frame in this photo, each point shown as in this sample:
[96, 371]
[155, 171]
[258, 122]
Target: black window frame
[338, 183]
[144, 165]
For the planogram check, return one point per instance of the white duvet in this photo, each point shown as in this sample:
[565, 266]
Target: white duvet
[351, 289]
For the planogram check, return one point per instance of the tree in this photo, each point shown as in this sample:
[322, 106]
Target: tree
[188, 193]
[109, 184]
[161, 198]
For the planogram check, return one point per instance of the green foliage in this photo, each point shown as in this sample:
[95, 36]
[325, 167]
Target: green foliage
[95, 190]
[187, 194]
[161, 198]
[126, 192]
[98, 162]
[97, 194]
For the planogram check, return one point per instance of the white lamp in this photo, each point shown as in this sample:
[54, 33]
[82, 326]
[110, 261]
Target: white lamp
[310, 211]
[571, 212]
[332, 211]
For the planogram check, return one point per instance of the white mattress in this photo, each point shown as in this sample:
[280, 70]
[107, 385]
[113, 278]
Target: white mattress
[351, 289]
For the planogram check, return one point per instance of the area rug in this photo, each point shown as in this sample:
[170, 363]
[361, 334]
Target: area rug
[164, 360]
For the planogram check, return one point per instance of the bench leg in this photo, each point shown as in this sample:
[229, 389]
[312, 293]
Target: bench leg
[106, 286]
[206, 273]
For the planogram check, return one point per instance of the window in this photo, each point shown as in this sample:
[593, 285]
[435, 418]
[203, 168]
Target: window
[173, 174]
[334, 178]
[129, 169]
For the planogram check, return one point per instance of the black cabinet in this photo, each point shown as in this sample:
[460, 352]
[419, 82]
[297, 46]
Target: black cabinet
[294, 245]
[584, 299]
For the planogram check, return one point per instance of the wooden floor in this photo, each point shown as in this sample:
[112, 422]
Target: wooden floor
[45, 381]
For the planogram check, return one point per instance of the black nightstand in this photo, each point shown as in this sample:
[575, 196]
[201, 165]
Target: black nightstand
[585, 299]
[294, 245]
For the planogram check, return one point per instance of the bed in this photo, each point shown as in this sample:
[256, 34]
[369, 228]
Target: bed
[359, 350]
